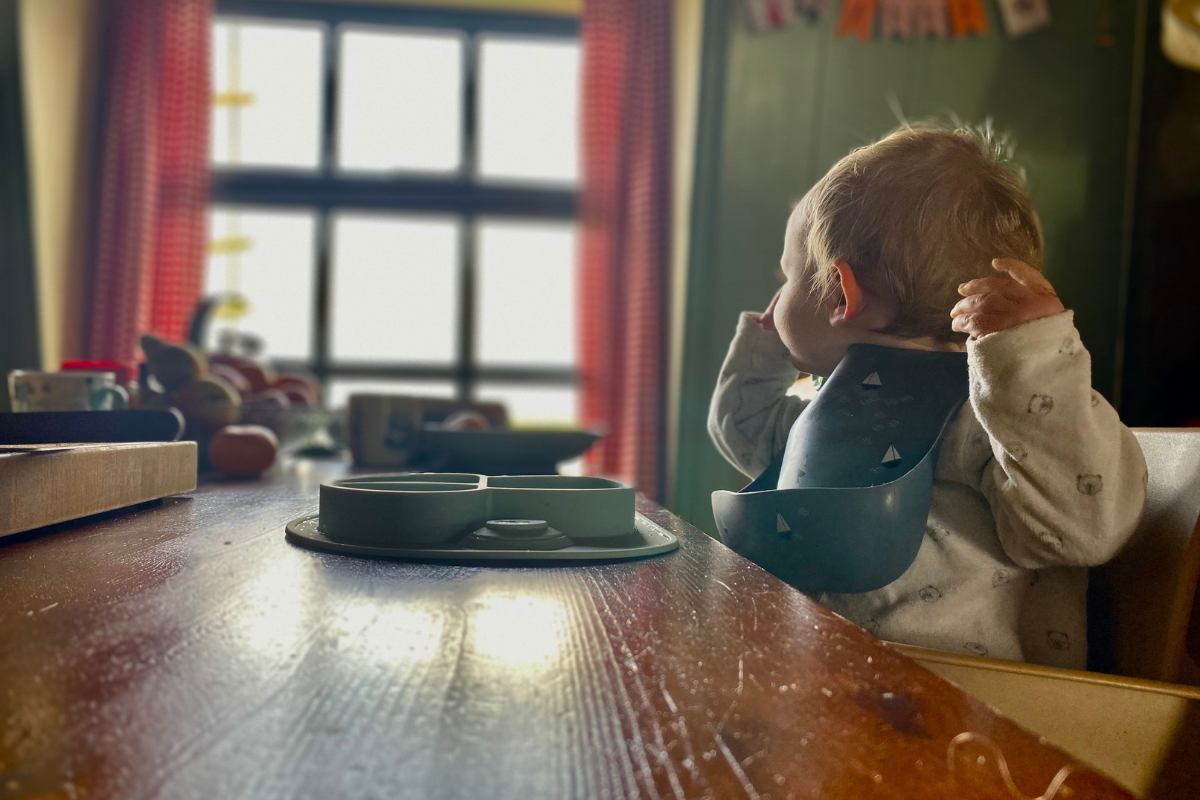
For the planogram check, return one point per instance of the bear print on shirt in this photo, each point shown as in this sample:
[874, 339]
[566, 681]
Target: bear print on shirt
[930, 594]
[1041, 404]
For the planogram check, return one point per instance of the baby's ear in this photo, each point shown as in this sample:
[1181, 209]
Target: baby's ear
[851, 301]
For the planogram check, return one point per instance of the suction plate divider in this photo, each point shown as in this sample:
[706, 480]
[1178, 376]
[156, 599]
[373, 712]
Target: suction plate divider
[466, 516]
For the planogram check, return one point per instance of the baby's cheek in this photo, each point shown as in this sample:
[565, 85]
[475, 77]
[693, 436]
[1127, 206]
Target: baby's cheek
[790, 332]
[793, 307]
[780, 312]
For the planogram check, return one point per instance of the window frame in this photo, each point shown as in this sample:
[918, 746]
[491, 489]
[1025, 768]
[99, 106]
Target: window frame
[326, 192]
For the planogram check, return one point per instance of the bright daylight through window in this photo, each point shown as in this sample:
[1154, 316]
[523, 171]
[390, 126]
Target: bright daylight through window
[394, 198]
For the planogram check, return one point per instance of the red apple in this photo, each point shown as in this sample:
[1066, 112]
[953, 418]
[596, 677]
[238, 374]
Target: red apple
[243, 451]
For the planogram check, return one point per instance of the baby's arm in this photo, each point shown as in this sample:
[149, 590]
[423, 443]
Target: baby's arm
[751, 412]
[1067, 482]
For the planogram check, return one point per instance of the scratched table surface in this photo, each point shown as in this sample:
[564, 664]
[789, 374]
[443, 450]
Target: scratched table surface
[185, 649]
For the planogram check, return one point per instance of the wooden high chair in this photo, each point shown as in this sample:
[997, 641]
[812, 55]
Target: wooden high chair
[1150, 587]
[1144, 733]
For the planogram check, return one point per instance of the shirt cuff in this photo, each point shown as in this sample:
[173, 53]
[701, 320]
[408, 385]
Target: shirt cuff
[1055, 332]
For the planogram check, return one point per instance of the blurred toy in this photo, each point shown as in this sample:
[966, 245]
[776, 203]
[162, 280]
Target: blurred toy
[207, 403]
[173, 364]
[214, 394]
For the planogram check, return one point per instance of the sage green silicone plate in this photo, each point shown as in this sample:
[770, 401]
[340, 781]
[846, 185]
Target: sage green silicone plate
[458, 516]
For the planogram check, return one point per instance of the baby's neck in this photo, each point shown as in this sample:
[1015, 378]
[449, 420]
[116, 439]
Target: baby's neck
[909, 343]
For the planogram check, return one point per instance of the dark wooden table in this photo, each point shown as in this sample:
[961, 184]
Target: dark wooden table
[187, 650]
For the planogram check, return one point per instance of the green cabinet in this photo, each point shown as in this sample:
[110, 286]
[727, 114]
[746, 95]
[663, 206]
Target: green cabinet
[778, 109]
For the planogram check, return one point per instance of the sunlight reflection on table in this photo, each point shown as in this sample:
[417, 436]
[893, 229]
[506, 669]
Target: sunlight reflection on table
[519, 631]
[270, 613]
[390, 632]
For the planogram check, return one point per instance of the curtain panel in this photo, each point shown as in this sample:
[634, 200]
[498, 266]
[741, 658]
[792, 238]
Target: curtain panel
[625, 210]
[152, 189]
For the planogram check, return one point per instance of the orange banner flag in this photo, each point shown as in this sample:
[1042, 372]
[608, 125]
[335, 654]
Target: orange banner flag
[858, 17]
[967, 16]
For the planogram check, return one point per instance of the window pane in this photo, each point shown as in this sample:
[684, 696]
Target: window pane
[340, 389]
[267, 95]
[534, 406]
[395, 288]
[267, 256]
[526, 293]
[529, 109]
[400, 101]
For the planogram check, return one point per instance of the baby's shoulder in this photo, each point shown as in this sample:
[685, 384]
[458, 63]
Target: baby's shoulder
[965, 449]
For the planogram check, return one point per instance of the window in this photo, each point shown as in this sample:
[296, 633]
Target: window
[394, 197]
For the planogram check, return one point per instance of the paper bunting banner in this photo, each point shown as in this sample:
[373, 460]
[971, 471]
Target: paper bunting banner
[858, 17]
[966, 16]
[913, 19]
[894, 19]
[1024, 16]
[770, 15]
[903, 19]
[929, 18]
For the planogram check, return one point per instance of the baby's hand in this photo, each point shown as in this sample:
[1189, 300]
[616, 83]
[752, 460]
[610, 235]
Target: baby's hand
[991, 305]
[766, 320]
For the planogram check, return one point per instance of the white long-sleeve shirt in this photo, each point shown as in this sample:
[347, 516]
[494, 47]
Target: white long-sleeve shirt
[1036, 480]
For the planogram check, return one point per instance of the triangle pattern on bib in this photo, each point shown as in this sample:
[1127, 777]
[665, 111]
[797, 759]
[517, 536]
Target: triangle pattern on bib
[892, 457]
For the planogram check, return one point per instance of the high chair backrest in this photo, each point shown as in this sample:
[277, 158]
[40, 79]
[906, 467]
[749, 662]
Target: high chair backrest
[1153, 581]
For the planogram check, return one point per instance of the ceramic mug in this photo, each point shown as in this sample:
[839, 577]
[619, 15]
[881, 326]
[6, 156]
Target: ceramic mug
[65, 391]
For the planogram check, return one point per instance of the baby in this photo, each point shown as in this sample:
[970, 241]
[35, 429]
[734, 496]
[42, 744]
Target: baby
[928, 240]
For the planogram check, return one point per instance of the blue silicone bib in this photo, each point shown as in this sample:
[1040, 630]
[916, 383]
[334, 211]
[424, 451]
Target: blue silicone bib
[843, 507]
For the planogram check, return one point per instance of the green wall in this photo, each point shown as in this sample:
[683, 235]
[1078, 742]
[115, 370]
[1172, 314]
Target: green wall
[778, 109]
[18, 298]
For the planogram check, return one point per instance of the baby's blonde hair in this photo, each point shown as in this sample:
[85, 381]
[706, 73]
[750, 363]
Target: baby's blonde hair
[919, 212]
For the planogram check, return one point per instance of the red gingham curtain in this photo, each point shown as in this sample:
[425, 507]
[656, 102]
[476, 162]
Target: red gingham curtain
[148, 254]
[626, 221]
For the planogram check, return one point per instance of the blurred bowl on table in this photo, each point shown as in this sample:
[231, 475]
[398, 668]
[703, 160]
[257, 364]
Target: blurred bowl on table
[500, 451]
